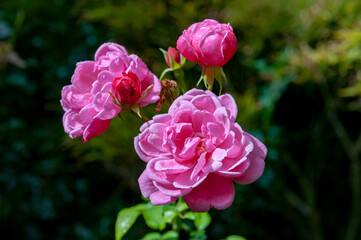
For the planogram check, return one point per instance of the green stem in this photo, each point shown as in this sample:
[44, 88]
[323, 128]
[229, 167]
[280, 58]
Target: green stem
[179, 75]
[164, 73]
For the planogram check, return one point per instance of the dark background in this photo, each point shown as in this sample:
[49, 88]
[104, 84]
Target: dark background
[296, 79]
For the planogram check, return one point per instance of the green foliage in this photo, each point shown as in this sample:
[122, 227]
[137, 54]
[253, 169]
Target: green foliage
[202, 220]
[152, 236]
[198, 235]
[234, 237]
[157, 217]
[153, 217]
[170, 235]
[126, 219]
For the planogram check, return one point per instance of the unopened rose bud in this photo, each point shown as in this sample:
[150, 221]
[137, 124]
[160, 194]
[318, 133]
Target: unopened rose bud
[173, 57]
[126, 88]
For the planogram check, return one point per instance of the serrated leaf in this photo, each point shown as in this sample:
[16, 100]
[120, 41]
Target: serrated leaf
[202, 220]
[170, 235]
[125, 220]
[152, 236]
[153, 217]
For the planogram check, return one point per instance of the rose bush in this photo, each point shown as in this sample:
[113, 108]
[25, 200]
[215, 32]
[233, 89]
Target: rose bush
[100, 89]
[196, 150]
[208, 43]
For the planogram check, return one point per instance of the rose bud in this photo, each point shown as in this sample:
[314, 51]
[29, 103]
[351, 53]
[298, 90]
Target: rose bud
[173, 57]
[208, 43]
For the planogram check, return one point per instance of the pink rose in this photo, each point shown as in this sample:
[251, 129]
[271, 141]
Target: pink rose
[88, 104]
[208, 43]
[196, 151]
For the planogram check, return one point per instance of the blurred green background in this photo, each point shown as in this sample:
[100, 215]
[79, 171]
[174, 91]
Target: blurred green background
[296, 79]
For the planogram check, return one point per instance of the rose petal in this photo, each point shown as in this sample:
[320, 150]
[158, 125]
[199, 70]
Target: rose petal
[256, 158]
[109, 47]
[149, 190]
[95, 128]
[146, 185]
[170, 190]
[84, 75]
[199, 166]
[184, 179]
[228, 102]
[163, 177]
[214, 191]
[158, 198]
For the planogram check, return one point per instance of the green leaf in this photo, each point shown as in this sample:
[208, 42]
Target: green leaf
[202, 220]
[125, 220]
[198, 235]
[153, 217]
[152, 236]
[170, 235]
[234, 237]
[169, 213]
[190, 215]
[181, 205]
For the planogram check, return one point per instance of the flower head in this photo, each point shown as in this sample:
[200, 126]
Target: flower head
[196, 150]
[208, 43]
[89, 102]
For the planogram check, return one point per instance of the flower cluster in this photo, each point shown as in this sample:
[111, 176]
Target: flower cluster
[196, 150]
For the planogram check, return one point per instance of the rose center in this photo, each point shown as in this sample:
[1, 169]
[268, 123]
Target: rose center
[126, 88]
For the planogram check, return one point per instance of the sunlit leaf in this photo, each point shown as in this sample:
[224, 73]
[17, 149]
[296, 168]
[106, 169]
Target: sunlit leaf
[169, 213]
[234, 237]
[170, 235]
[202, 220]
[198, 235]
[152, 236]
[153, 217]
[126, 218]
